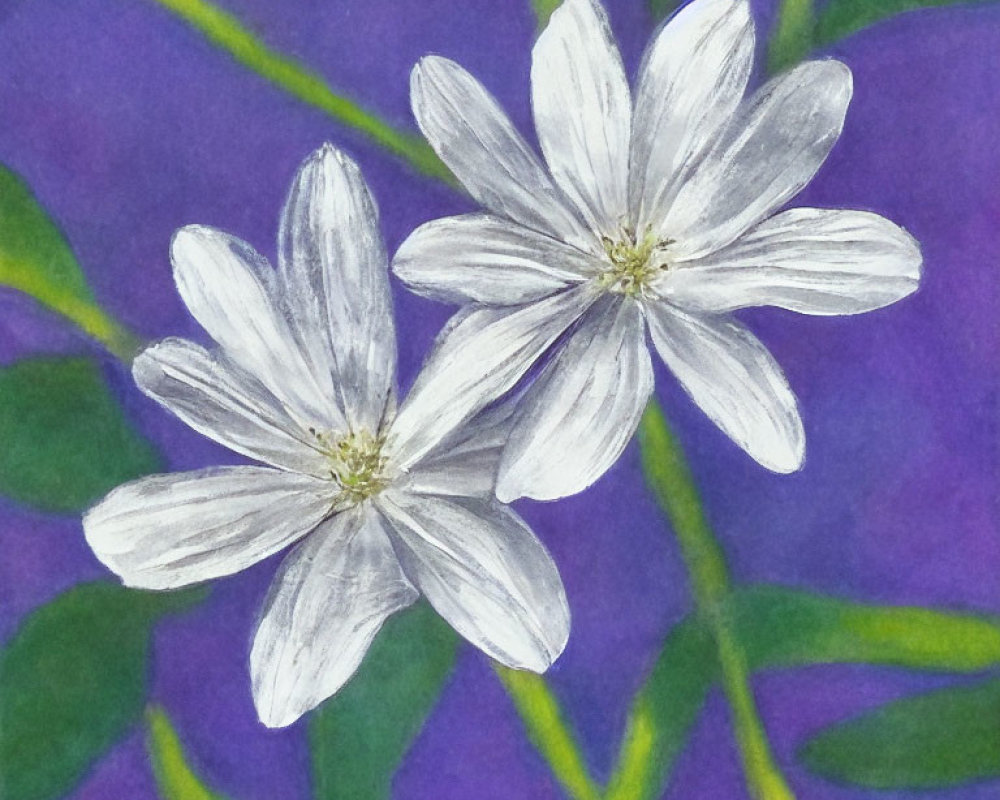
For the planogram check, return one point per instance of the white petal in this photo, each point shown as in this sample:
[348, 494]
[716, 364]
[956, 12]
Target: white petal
[485, 572]
[325, 606]
[221, 401]
[809, 260]
[166, 531]
[231, 290]
[479, 356]
[776, 143]
[691, 81]
[474, 137]
[734, 380]
[583, 112]
[335, 281]
[576, 420]
[485, 259]
[465, 464]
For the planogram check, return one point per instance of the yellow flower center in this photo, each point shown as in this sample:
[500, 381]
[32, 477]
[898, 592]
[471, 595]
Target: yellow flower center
[356, 464]
[633, 263]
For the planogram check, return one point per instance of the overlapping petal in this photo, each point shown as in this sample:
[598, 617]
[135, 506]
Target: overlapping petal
[481, 258]
[813, 261]
[166, 531]
[577, 418]
[485, 572]
[583, 111]
[223, 402]
[732, 377]
[327, 603]
[335, 285]
[692, 79]
[775, 144]
[474, 137]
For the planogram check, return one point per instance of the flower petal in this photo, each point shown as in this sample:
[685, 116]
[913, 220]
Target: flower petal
[583, 112]
[775, 144]
[692, 79]
[809, 260]
[485, 259]
[479, 356]
[734, 380]
[577, 418]
[474, 137]
[485, 572]
[335, 282]
[221, 401]
[325, 606]
[230, 289]
[166, 531]
[465, 464]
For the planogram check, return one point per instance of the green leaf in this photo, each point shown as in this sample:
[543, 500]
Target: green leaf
[65, 439]
[175, 780]
[944, 738]
[664, 711]
[661, 9]
[841, 18]
[780, 627]
[359, 736]
[543, 10]
[793, 35]
[72, 683]
[35, 259]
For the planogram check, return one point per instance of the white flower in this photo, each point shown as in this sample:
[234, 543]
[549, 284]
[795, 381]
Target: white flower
[657, 211]
[303, 380]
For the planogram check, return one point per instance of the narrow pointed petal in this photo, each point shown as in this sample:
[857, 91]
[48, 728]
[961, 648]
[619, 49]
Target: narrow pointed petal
[223, 402]
[230, 289]
[335, 284]
[809, 260]
[485, 572]
[776, 143]
[732, 377]
[577, 418]
[474, 137]
[583, 112]
[324, 609]
[480, 258]
[692, 79]
[166, 531]
[481, 355]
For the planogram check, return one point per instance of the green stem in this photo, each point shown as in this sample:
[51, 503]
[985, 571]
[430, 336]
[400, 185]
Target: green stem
[793, 35]
[539, 710]
[226, 32]
[668, 475]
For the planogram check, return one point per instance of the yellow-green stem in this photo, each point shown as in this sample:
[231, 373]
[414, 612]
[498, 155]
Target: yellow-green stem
[669, 477]
[226, 32]
[539, 710]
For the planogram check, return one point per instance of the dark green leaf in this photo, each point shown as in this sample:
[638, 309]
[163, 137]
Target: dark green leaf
[359, 736]
[663, 712]
[175, 779]
[35, 259]
[841, 18]
[944, 738]
[781, 627]
[65, 439]
[661, 9]
[72, 683]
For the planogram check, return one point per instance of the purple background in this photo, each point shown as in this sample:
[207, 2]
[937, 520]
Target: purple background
[128, 125]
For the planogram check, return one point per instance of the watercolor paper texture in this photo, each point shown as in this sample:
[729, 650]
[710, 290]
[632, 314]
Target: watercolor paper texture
[650, 402]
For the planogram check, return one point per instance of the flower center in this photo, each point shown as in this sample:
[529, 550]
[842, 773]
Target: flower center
[633, 264]
[356, 464]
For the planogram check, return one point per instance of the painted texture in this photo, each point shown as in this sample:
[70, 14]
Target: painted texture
[127, 125]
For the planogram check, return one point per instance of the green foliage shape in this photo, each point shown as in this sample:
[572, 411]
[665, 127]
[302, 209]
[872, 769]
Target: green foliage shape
[175, 780]
[73, 682]
[65, 439]
[842, 18]
[359, 736]
[935, 740]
